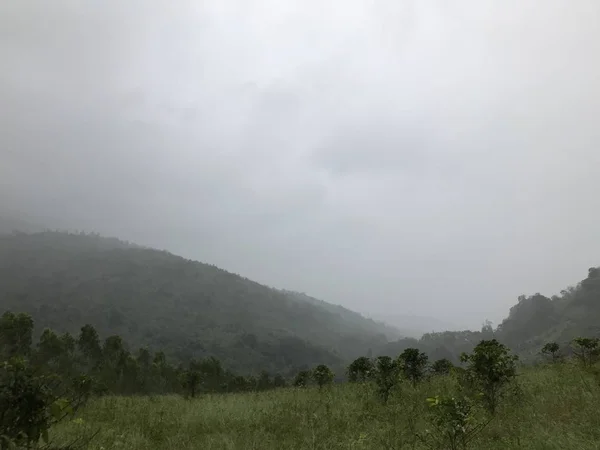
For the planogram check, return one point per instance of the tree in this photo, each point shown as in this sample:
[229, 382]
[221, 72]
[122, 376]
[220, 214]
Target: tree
[279, 381]
[442, 367]
[213, 374]
[302, 378]
[322, 375]
[264, 381]
[144, 362]
[551, 349]
[490, 368]
[386, 376]
[16, 332]
[412, 364]
[454, 422]
[487, 330]
[89, 344]
[360, 369]
[50, 347]
[29, 406]
[191, 379]
[586, 350]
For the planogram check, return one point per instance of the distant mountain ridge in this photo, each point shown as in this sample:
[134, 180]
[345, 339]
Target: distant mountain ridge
[350, 317]
[415, 325]
[156, 299]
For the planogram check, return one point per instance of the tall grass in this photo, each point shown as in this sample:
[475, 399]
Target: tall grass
[552, 407]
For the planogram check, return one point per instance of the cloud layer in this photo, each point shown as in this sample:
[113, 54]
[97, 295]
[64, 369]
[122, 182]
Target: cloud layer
[414, 157]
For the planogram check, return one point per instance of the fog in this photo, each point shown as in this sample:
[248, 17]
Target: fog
[420, 157]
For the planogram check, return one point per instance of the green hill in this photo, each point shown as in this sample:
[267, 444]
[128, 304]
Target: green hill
[189, 309]
[532, 322]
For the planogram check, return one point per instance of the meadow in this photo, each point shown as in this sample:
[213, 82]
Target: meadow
[548, 407]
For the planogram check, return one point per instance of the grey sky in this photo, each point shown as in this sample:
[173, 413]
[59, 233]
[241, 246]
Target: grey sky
[428, 157]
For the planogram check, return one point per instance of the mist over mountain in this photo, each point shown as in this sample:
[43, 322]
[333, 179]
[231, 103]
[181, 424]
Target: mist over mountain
[190, 309]
[414, 325]
[156, 299]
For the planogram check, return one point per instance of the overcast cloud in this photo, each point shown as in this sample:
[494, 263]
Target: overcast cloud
[427, 157]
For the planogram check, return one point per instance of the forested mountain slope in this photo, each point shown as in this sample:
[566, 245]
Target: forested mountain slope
[156, 299]
[532, 322]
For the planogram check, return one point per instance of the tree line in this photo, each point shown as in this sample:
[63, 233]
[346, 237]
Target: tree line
[112, 368]
[43, 383]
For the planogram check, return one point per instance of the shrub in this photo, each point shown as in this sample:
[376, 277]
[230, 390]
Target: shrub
[191, 381]
[386, 376]
[322, 375]
[489, 369]
[360, 370]
[442, 367]
[586, 350]
[29, 405]
[412, 364]
[551, 349]
[454, 421]
[302, 378]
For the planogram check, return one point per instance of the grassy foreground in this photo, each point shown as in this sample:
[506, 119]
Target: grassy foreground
[555, 407]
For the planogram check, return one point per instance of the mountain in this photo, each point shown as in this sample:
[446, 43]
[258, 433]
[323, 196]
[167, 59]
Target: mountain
[534, 321]
[413, 325]
[10, 224]
[189, 309]
[350, 318]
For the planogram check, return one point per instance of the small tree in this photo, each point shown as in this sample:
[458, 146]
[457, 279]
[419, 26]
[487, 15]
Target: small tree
[279, 381]
[29, 406]
[490, 368]
[322, 375]
[441, 367]
[302, 378]
[412, 364]
[360, 370]
[586, 350]
[89, 345]
[455, 423]
[16, 332]
[552, 350]
[386, 376]
[191, 380]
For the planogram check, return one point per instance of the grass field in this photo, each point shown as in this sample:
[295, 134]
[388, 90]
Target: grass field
[555, 407]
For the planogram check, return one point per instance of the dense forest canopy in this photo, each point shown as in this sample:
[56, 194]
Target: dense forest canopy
[157, 300]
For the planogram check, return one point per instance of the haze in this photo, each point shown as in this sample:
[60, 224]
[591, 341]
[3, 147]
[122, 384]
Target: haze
[419, 157]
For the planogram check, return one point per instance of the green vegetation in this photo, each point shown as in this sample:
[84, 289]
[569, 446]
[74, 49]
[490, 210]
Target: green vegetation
[159, 301]
[393, 403]
[555, 410]
[145, 381]
[481, 405]
[188, 309]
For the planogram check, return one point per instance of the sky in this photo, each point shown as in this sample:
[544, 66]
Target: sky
[420, 157]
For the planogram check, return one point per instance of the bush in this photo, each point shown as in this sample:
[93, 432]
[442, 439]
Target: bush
[302, 378]
[29, 405]
[586, 350]
[386, 376]
[442, 367]
[360, 370]
[551, 349]
[322, 375]
[489, 369]
[455, 423]
[412, 364]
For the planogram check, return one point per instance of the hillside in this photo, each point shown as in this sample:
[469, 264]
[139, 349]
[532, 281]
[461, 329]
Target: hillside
[413, 325]
[532, 322]
[190, 309]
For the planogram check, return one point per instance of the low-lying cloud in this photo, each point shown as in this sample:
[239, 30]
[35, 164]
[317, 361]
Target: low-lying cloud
[421, 157]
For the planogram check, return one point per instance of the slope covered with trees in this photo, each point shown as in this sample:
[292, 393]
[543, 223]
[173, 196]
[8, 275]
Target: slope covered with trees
[156, 299]
[534, 321]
